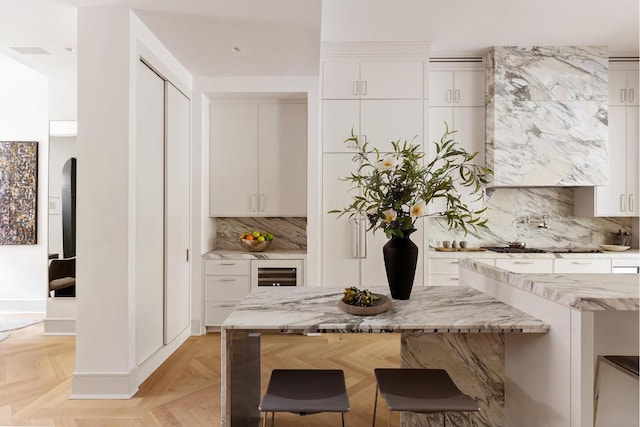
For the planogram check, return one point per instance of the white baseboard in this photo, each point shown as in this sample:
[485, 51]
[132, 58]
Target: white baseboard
[196, 327]
[147, 367]
[104, 385]
[23, 306]
[59, 326]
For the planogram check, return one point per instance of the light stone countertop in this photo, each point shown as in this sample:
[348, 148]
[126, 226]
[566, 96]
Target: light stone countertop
[579, 291]
[433, 309]
[270, 254]
[628, 254]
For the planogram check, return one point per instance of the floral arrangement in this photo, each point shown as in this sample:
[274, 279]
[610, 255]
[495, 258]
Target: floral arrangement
[395, 188]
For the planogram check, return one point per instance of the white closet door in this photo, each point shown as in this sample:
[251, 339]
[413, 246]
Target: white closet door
[149, 201]
[177, 202]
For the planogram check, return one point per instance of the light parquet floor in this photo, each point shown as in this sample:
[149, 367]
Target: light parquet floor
[35, 381]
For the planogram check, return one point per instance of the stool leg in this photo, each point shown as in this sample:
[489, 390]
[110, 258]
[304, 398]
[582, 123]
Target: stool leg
[273, 419]
[596, 390]
[470, 420]
[375, 406]
[444, 419]
[389, 419]
[342, 418]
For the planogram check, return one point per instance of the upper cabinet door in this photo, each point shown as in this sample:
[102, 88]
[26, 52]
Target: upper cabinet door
[618, 87]
[282, 155]
[391, 120]
[632, 87]
[233, 159]
[338, 119]
[391, 80]
[611, 199]
[441, 88]
[631, 156]
[468, 88]
[340, 80]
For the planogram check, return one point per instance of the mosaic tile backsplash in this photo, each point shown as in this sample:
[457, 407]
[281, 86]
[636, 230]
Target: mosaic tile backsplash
[290, 233]
[508, 208]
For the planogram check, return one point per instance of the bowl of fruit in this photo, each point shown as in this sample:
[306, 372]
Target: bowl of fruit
[256, 241]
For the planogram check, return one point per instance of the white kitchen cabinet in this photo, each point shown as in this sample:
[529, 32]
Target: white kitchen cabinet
[226, 283]
[376, 121]
[258, 157]
[525, 265]
[460, 88]
[444, 271]
[620, 196]
[351, 256]
[353, 79]
[623, 87]
[469, 124]
[582, 265]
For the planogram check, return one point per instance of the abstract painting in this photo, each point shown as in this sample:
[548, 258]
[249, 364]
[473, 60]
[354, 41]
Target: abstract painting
[18, 192]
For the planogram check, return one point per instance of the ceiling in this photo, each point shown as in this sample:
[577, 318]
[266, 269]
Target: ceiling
[281, 37]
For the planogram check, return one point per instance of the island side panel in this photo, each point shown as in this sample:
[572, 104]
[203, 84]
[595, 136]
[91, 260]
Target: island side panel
[240, 379]
[538, 366]
[475, 362]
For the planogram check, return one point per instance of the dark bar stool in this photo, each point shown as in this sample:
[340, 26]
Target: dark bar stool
[424, 391]
[625, 364]
[305, 392]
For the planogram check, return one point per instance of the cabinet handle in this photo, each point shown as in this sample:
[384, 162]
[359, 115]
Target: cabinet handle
[364, 232]
[582, 262]
[364, 88]
[457, 96]
[227, 305]
[253, 203]
[631, 95]
[454, 278]
[355, 88]
[623, 203]
[524, 262]
[261, 202]
[227, 263]
[226, 280]
[631, 203]
[449, 94]
[455, 262]
[355, 238]
[623, 95]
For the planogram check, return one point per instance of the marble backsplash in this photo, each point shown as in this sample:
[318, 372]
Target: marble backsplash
[508, 208]
[290, 233]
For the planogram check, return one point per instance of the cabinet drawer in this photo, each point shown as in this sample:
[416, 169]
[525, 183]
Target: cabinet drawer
[444, 265]
[526, 265]
[443, 279]
[216, 313]
[227, 266]
[582, 266]
[226, 288]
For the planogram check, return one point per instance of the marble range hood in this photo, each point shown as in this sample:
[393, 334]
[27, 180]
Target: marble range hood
[547, 116]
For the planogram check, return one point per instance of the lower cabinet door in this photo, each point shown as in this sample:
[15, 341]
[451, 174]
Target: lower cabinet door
[525, 265]
[582, 266]
[217, 312]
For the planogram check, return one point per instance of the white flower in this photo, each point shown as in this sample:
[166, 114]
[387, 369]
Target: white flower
[372, 211]
[418, 209]
[390, 215]
[388, 162]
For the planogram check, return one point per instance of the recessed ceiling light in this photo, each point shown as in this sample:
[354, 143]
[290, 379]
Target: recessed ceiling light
[235, 49]
[31, 50]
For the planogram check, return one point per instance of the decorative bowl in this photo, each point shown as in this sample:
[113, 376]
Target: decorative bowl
[379, 305]
[255, 245]
[614, 248]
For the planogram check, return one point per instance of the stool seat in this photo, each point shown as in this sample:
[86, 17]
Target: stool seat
[628, 364]
[422, 391]
[306, 391]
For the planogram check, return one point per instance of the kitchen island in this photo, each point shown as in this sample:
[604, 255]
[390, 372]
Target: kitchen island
[590, 315]
[456, 328]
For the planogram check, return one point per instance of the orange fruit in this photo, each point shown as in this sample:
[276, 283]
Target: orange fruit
[249, 237]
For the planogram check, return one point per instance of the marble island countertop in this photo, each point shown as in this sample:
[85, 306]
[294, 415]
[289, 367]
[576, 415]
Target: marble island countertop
[270, 254]
[630, 254]
[430, 309]
[579, 291]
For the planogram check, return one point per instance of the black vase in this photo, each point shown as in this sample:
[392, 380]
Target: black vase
[400, 260]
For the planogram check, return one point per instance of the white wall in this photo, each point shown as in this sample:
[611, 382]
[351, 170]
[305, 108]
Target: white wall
[111, 38]
[24, 117]
[63, 94]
